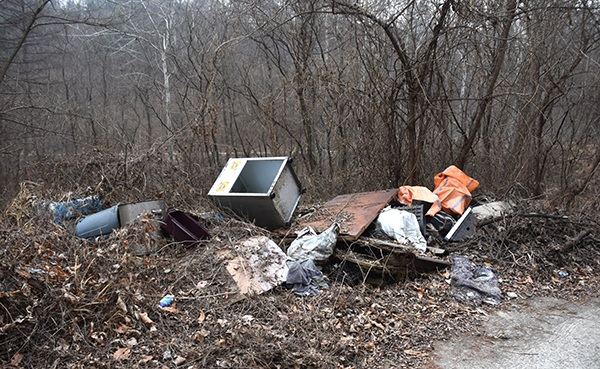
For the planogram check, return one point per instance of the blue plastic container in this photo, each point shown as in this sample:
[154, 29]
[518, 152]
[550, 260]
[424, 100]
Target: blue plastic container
[69, 209]
[99, 223]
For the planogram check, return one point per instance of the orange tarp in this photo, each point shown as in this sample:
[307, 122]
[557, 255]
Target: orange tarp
[406, 195]
[453, 188]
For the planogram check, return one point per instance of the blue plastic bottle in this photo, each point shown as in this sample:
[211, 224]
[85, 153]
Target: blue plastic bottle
[166, 301]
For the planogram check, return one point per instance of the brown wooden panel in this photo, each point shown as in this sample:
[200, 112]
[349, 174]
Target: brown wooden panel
[353, 212]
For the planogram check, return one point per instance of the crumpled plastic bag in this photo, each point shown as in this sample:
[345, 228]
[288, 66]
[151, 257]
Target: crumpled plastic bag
[402, 226]
[474, 285]
[304, 278]
[313, 246]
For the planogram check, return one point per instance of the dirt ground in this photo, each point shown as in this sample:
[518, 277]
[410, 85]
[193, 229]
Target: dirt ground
[540, 333]
[67, 302]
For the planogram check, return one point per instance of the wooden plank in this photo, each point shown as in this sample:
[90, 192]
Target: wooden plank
[434, 250]
[421, 264]
[353, 212]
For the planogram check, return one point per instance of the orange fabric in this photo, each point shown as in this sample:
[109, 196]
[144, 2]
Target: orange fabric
[453, 187]
[406, 194]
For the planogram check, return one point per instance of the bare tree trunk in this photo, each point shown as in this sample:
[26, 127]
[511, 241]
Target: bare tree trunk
[26, 31]
[511, 8]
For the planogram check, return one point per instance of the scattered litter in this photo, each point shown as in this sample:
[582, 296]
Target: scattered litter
[101, 223]
[353, 212]
[442, 222]
[491, 210]
[166, 301]
[474, 285]
[299, 279]
[89, 295]
[313, 246]
[211, 216]
[562, 274]
[155, 209]
[464, 227]
[407, 195]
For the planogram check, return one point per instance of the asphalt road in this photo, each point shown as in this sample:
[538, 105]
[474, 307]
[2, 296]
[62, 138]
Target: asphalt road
[539, 333]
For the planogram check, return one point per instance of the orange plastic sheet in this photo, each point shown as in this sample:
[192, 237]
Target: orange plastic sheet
[406, 195]
[453, 187]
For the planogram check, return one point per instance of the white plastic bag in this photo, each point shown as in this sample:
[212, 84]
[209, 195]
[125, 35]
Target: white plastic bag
[310, 245]
[402, 226]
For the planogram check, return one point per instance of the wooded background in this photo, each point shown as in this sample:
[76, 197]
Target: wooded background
[364, 95]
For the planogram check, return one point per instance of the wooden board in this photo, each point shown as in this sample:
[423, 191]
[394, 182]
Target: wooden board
[353, 212]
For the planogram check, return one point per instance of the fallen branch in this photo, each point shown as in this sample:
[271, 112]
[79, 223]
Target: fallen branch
[569, 245]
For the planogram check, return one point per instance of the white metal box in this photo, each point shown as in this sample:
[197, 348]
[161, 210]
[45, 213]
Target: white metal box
[263, 190]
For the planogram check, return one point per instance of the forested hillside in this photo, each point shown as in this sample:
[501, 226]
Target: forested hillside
[364, 95]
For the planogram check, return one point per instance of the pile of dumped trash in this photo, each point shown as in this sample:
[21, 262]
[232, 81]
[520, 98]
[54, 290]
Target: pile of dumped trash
[118, 279]
[375, 237]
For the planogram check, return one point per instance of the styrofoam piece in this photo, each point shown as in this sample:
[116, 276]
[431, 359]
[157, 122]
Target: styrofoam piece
[263, 190]
[491, 210]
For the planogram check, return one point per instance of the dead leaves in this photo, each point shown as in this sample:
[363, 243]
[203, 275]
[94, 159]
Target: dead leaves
[170, 309]
[415, 353]
[147, 321]
[122, 353]
[16, 360]
[122, 328]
